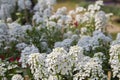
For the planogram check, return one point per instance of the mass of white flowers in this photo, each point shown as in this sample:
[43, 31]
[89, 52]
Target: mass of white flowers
[3, 33]
[115, 60]
[88, 42]
[2, 69]
[24, 4]
[37, 65]
[17, 77]
[56, 62]
[60, 62]
[25, 54]
[66, 43]
[89, 68]
[6, 8]
[100, 20]
[79, 53]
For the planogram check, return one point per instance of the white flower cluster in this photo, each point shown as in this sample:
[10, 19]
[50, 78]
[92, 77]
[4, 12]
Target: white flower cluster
[74, 18]
[117, 41]
[3, 33]
[75, 55]
[11, 66]
[69, 39]
[89, 43]
[17, 32]
[25, 54]
[17, 77]
[60, 62]
[89, 68]
[57, 62]
[96, 6]
[2, 69]
[43, 10]
[21, 46]
[100, 20]
[6, 8]
[6, 66]
[12, 32]
[115, 60]
[37, 65]
[66, 43]
[24, 4]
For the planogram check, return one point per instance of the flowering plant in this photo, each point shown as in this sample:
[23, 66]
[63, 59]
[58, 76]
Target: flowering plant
[60, 45]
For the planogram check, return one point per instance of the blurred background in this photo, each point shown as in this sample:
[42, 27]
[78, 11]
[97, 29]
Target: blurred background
[110, 6]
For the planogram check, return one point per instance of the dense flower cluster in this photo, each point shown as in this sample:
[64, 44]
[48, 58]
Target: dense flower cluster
[6, 8]
[61, 45]
[115, 60]
[89, 68]
[88, 42]
[5, 67]
[25, 54]
[37, 65]
[60, 62]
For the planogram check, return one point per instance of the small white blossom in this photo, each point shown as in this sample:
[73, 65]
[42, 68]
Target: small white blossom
[17, 77]
[115, 60]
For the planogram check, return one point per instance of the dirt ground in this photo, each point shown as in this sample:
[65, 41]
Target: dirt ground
[113, 28]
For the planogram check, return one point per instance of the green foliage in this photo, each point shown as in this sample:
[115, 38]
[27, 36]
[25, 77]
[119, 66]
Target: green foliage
[50, 36]
[112, 9]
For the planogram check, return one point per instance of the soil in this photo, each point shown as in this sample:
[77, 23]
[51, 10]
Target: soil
[112, 28]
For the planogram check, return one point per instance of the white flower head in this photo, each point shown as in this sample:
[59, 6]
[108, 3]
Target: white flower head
[115, 60]
[25, 54]
[37, 65]
[17, 77]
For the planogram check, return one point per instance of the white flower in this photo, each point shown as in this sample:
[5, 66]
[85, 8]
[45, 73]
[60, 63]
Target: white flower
[89, 68]
[2, 70]
[68, 19]
[6, 8]
[21, 46]
[78, 18]
[17, 77]
[16, 32]
[37, 65]
[84, 42]
[51, 2]
[118, 36]
[83, 30]
[24, 4]
[75, 54]
[100, 20]
[90, 7]
[80, 9]
[99, 2]
[44, 46]
[117, 41]
[115, 60]
[51, 24]
[3, 33]
[51, 77]
[57, 62]
[72, 12]
[25, 54]
[66, 43]
[26, 27]
[61, 11]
